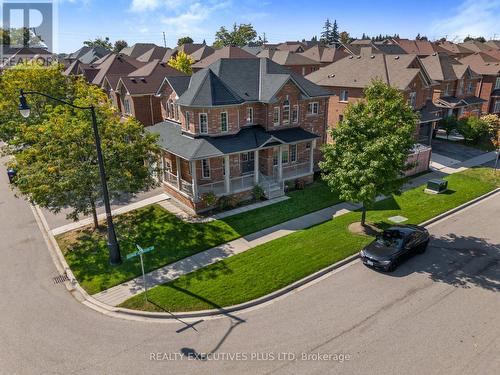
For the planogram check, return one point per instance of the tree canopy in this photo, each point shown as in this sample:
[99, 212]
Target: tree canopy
[371, 146]
[239, 36]
[184, 40]
[99, 42]
[119, 45]
[182, 62]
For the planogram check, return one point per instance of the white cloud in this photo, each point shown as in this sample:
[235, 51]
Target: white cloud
[472, 17]
[148, 5]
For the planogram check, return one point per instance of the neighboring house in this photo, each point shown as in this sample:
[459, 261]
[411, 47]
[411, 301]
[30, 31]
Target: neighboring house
[113, 64]
[237, 124]
[489, 87]
[324, 55]
[155, 53]
[421, 48]
[454, 50]
[387, 47]
[293, 61]
[292, 46]
[347, 78]
[475, 46]
[202, 53]
[135, 94]
[228, 52]
[456, 92]
[254, 50]
[137, 49]
[493, 44]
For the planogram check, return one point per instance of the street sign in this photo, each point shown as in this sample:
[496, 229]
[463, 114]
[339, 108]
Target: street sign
[140, 251]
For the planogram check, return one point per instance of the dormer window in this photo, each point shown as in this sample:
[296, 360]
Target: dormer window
[203, 122]
[286, 112]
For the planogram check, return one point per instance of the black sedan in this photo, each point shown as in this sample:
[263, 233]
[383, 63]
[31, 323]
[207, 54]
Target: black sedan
[394, 245]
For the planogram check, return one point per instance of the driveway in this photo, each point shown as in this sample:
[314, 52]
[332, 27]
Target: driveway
[436, 314]
[454, 150]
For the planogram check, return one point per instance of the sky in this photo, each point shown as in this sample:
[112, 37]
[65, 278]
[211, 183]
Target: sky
[147, 20]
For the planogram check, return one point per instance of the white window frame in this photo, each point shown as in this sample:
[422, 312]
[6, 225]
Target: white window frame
[126, 106]
[295, 110]
[446, 89]
[221, 122]
[344, 96]
[497, 83]
[286, 110]
[188, 119]
[276, 115]
[285, 151]
[249, 119]
[496, 107]
[412, 99]
[176, 112]
[205, 115]
[275, 157]
[313, 108]
[470, 87]
[460, 88]
[293, 153]
[205, 163]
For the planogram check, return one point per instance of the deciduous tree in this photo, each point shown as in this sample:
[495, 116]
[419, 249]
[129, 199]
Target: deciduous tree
[119, 45]
[184, 40]
[240, 36]
[182, 62]
[99, 42]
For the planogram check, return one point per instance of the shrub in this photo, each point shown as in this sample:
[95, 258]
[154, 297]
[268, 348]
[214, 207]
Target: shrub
[209, 199]
[258, 192]
[472, 128]
[448, 124]
[300, 184]
[227, 202]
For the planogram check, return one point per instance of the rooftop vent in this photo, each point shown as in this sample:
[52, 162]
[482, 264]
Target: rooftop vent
[372, 56]
[331, 75]
[351, 56]
[434, 54]
[358, 57]
[132, 79]
[396, 58]
[143, 79]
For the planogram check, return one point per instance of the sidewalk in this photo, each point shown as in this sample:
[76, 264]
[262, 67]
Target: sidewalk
[120, 293]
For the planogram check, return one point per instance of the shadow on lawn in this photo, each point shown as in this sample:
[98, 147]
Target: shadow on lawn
[461, 261]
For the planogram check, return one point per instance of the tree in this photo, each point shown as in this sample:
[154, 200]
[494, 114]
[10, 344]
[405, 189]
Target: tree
[468, 38]
[182, 62]
[344, 37]
[371, 146]
[472, 128]
[326, 34]
[240, 36]
[420, 37]
[184, 40]
[493, 123]
[365, 36]
[119, 45]
[335, 34]
[99, 42]
[59, 169]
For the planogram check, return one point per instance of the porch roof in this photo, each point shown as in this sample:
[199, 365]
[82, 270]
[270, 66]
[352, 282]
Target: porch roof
[171, 138]
[454, 102]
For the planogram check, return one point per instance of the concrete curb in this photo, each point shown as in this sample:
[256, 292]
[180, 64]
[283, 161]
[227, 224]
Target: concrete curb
[82, 296]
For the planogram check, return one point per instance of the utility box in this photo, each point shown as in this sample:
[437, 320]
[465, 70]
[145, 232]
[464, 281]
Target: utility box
[11, 173]
[436, 186]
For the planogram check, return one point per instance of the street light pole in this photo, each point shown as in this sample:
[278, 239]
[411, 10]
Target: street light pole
[113, 247]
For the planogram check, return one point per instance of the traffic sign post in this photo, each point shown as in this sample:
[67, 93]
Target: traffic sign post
[140, 251]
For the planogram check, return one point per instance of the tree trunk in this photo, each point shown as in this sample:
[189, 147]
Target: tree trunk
[363, 215]
[496, 160]
[94, 214]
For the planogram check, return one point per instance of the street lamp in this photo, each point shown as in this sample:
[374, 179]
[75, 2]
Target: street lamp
[114, 248]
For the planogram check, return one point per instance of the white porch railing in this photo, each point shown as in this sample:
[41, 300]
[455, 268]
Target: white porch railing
[296, 170]
[169, 177]
[237, 184]
[218, 188]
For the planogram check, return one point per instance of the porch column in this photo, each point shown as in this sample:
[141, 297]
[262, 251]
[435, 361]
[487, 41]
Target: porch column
[227, 171]
[311, 156]
[280, 163]
[178, 167]
[256, 167]
[194, 183]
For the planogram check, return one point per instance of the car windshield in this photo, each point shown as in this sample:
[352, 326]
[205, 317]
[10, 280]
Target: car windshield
[390, 238]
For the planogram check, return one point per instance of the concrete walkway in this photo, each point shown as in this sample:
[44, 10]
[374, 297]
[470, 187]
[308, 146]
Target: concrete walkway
[120, 293]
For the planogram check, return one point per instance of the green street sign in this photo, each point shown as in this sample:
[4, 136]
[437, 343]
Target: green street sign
[140, 251]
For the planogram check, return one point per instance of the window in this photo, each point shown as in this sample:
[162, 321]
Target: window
[223, 122]
[176, 112]
[171, 109]
[295, 114]
[188, 120]
[470, 87]
[497, 106]
[276, 116]
[497, 83]
[249, 115]
[275, 157]
[205, 168]
[412, 99]
[308, 145]
[203, 123]
[460, 89]
[126, 107]
[341, 118]
[286, 112]
[293, 153]
[344, 96]
[284, 156]
[447, 89]
[313, 108]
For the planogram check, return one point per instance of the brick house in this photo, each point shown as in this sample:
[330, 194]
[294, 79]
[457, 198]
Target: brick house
[347, 78]
[237, 124]
[135, 94]
[455, 93]
[324, 55]
[296, 62]
[228, 52]
[489, 86]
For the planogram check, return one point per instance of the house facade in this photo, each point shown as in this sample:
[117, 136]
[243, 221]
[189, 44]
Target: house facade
[237, 124]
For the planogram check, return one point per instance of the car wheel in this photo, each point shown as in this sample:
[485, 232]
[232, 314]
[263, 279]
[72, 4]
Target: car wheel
[423, 247]
[391, 267]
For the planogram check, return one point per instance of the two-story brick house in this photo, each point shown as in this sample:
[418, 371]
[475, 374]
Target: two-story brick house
[237, 124]
[455, 93]
[489, 87]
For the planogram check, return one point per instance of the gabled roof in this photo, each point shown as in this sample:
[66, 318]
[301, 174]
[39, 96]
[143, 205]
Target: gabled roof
[254, 50]
[417, 47]
[137, 49]
[292, 46]
[287, 58]
[155, 53]
[147, 79]
[442, 67]
[228, 52]
[475, 46]
[79, 53]
[360, 71]
[322, 54]
[452, 48]
[93, 55]
[179, 84]
[482, 63]
[201, 53]
[495, 44]
[189, 48]
[115, 64]
[172, 139]
[233, 81]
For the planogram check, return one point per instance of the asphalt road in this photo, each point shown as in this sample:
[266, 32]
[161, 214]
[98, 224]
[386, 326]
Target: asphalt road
[437, 314]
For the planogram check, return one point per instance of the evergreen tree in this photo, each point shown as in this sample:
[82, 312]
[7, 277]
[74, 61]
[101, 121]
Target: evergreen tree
[335, 34]
[326, 34]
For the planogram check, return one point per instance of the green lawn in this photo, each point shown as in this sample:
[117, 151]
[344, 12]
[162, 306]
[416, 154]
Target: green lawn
[174, 239]
[273, 265]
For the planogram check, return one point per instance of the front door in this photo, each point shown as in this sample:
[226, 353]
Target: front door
[247, 162]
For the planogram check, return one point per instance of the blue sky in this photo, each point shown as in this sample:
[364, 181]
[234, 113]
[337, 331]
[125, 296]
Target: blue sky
[146, 20]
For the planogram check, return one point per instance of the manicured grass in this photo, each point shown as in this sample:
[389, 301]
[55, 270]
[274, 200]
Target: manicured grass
[174, 239]
[278, 263]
